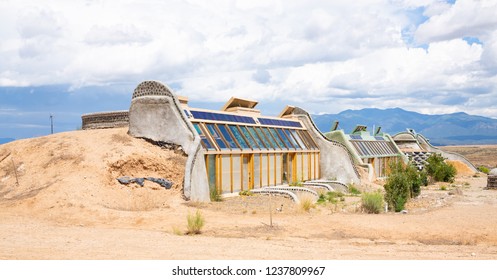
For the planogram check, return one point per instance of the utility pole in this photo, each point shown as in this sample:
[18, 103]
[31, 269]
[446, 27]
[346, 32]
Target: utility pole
[51, 124]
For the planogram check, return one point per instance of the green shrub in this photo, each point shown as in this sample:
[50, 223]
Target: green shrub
[372, 203]
[332, 197]
[439, 170]
[195, 222]
[353, 190]
[483, 169]
[214, 194]
[403, 182]
[246, 193]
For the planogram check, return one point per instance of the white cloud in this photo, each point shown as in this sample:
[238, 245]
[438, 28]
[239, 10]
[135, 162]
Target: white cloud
[117, 35]
[466, 18]
[330, 55]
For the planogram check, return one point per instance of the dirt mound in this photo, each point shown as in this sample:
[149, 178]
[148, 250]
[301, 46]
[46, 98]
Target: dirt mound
[462, 168]
[76, 171]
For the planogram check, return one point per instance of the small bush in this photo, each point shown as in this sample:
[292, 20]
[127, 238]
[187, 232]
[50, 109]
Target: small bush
[306, 203]
[353, 190]
[331, 197]
[443, 188]
[439, 170]
[372, 203]
[246, 193]
[483, 169]
[403, 182]
[195, 222]
[214, 194]
[177, 231]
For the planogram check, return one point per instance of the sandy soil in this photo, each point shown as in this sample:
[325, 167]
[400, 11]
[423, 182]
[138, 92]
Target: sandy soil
[484, 155]
[68, 205]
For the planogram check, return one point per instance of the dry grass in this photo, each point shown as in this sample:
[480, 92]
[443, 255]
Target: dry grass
[195, 222]
[483, 155]
[306, 203]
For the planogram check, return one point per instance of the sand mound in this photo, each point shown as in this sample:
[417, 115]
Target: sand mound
[76, 172]
[462, 168]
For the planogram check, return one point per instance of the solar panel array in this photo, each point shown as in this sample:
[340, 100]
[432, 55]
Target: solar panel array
[374, 148]
[379, 138]
[274, 122]
[356, 137]
[221, 117]
[239, 119]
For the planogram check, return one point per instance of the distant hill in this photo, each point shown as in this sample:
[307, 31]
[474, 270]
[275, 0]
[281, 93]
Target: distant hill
[448, 129]
[6, 140]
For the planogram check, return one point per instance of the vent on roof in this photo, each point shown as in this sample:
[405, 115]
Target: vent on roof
[359, 128]
[334, 126]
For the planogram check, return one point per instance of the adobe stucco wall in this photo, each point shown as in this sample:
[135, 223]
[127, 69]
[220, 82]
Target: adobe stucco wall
[448, 155]
[155, 114]
[335, 160]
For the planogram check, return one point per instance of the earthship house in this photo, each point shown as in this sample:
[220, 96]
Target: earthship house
[418, 149]
[374, 152]
[235, 148]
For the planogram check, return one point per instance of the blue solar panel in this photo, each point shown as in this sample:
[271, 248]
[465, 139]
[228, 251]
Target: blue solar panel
[356, 137]
[286, 123]
[379, 138]
[221, 117]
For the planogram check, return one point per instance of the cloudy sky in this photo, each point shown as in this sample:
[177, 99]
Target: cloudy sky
[72, 57]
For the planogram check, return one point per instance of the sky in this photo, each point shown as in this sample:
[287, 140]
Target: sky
[67, 58]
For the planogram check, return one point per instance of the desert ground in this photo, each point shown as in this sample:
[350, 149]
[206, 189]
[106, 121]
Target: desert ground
[59, 199]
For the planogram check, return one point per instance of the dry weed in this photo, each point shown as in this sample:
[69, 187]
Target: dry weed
[306, 203]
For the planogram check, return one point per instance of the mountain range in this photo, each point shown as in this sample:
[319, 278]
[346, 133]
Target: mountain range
[448, 129]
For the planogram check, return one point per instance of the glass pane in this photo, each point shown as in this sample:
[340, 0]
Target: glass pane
[238, 137]
[309, 139]
[290, 137]
[264, 170]
[236, 173]
[249, 137]
[227, 136]
[256, 137]
[284, 138]
[268, 140]
[211, 171]
[205, 142]
[226, 173]
[215, 136]
[257, 171]
[297, 138]
[278, 169]
[274, 138]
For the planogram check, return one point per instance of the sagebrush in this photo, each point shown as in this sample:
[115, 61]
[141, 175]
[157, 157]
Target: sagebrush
[372, 203]
[439, 170]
